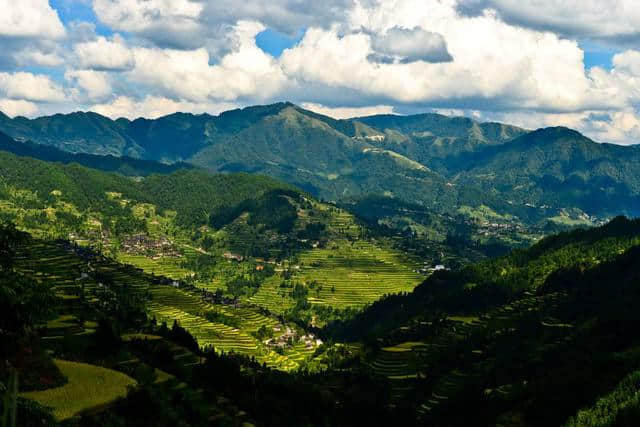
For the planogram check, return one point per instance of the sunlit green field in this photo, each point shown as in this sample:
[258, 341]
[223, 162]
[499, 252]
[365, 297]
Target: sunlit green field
[88, 387]
[344, 275]
[348, 272]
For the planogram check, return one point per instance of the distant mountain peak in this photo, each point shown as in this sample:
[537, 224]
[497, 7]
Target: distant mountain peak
[559, 131]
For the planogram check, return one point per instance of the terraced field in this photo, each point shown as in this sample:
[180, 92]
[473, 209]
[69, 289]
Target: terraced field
[167, 267]
[167, 303]
[343, 275]
[88, 386]
[190, 311]
[402, 363]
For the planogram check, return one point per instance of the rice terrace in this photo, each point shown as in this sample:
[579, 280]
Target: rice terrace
[339, 213]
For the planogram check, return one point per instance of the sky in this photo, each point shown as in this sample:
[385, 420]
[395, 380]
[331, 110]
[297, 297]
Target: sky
[532, 63]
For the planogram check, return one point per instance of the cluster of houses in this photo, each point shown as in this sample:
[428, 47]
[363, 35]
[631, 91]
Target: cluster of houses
[141, 244]
[286, 337]
[427, 269]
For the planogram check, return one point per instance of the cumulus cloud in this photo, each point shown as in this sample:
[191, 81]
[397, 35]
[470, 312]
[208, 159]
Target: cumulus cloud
[104, 54]
[536, 70]
[287, 16]
[616, 21]
[173, 23]
[187, 74]
[492, 59]
[30, 87]
[36, 56]
[95, 85]
[29, 18]
[347, 112]
[410, 45]
[628, 62]
[154, 107]
[13, 107]
[180, 23]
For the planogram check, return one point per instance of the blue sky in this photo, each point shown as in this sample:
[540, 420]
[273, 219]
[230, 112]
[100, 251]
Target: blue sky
[489, 59]
[598, 55]
[79, 11]
[274, 42]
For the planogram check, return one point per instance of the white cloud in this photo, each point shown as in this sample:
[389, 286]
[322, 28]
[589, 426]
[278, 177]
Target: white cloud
[490, 58]
[13, 107]
[495, 65]
[287, 16]
[187, 74]
[95, 84]
[613, 20]
[140, 15]
[154, 107]
[29, 18]
[628, 62]
[30, 87]
[104, 54]
[167, 22]
[409, 45]
[347, 112]
[28, 56]
[181, 23]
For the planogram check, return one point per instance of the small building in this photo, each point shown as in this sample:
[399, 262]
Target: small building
[231, 256]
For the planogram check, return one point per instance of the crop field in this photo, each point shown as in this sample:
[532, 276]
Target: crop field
[348, 271]
[344, 275]
[189, 310]
[355, 275]
[167, 267]
[167, 303]
[88, 387]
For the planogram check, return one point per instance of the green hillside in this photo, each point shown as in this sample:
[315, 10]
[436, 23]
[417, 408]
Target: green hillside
[244, 239]
[496, 337]
[544, 180]
[559, 166]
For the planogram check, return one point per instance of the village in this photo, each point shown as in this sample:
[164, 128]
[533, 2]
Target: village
[288, 337]
[141, 244]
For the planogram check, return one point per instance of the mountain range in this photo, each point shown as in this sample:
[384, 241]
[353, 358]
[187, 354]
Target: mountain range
[435, 161]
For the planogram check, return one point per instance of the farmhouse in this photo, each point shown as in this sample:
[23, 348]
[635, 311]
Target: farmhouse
[231, 256]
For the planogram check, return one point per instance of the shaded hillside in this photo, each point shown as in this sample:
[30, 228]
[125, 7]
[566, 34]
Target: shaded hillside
[193, 194]
[108, 163]
[481, 286]
[76, 132]
[558, 167]
[496, 337]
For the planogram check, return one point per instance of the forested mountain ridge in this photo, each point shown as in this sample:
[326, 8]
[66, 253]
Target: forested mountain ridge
[442, 163]
[123, 165]
[556, 166]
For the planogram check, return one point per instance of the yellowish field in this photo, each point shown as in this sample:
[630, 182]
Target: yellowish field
[89, 386]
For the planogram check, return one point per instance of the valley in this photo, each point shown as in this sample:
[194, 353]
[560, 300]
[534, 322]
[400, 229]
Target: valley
[136, 281]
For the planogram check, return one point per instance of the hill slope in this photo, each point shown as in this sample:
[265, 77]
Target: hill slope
[496, 337]
[237, 238]
[558, 167]
[108, 163]
[439, 162]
